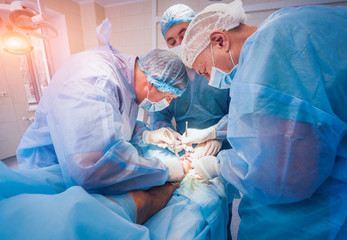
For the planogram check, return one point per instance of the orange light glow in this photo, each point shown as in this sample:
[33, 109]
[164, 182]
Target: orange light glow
[16, 43]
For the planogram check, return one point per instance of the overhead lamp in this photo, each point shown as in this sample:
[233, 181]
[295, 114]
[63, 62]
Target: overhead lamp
[24, 16]
[15, 42]
[21, 16]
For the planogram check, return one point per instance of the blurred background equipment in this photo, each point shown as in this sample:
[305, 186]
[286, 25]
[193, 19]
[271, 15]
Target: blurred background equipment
[29, 19]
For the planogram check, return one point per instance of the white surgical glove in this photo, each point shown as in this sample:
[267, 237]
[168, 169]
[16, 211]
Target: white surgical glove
[193, 135]
[176, 170]
[161, 137]
[208, 148]
[177, 145]
[206, 167]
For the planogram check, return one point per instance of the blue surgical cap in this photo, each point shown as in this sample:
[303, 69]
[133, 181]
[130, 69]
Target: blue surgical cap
[165, 70]
[174, 15]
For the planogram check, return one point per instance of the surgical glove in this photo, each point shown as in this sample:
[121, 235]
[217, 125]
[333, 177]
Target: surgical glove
[206, 167]
[193, 135]
[177, 145]
[208, 148]
[176, 170]
[161, 137]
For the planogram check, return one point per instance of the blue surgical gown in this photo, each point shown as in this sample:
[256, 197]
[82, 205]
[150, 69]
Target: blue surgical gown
[86, 122]
[201, 105]
[287, 126]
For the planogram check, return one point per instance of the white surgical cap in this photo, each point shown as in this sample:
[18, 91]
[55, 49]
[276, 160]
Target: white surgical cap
[165, 70]
[175, 14]
[218, 16]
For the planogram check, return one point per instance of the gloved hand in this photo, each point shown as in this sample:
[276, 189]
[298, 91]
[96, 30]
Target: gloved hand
[208, 148]
[206, 167]
[176, 169]
[177, 145]
[193, 135]
[162, 137]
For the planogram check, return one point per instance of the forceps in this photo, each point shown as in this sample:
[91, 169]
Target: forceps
[170, 135]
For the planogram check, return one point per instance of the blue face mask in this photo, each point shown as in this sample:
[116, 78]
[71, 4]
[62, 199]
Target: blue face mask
[220, 79]
[149, 106]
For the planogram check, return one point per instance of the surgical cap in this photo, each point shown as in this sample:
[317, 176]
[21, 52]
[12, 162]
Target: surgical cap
[165, 70]
[218, 16]
[174, 15]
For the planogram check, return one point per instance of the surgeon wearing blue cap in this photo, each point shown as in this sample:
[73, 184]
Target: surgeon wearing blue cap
[203, 107]
[86, 120]
[287, 117]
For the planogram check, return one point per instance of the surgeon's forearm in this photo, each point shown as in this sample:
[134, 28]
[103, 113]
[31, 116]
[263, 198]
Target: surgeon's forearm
[221, 135]
[162, 118]
[221, 128]
[137, 139]
[161, 124]
[117, 170]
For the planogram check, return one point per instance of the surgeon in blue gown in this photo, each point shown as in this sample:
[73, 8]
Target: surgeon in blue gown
[87, 119]
[287, 117]
[204, 107]
[45, 200]
[78, 163]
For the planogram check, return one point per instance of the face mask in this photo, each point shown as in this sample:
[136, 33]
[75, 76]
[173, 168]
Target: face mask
[176, 50]
[149, 106]
[220, 79]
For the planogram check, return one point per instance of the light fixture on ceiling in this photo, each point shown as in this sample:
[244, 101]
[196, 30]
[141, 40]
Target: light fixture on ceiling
[15, 42]
[21, 16]
[24, 16]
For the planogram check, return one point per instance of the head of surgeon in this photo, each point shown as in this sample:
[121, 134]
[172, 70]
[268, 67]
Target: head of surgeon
[213, 42]
[174, 24]
[160, 76]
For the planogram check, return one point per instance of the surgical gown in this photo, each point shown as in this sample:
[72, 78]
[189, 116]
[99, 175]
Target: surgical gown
[201, 105]
[86, 122]
[287, 126]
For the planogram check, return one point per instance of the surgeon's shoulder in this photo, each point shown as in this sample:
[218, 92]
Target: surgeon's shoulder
[90, 56]
[278, 27]
[290, 16]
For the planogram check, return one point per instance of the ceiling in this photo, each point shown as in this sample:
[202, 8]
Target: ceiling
[108, 3]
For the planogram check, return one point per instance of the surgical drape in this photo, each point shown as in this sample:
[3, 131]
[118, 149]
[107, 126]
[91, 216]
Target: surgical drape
[35, 204]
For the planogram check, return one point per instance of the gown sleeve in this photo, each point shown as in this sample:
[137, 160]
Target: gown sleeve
[136, 138]
[221, 128]
[162, 118]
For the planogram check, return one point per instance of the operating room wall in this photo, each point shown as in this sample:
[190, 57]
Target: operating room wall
[92, 15]
[132, 23]
[15, 117]
[72, 13]
[13, 105]
[131, 26]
